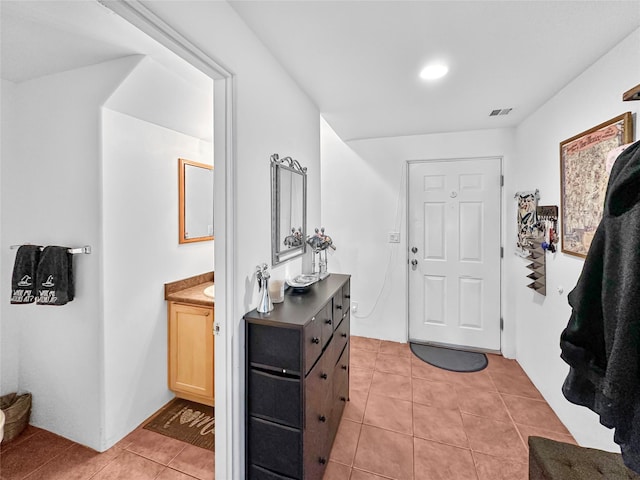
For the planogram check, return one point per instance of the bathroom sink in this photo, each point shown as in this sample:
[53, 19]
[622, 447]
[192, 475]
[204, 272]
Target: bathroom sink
[210, 291]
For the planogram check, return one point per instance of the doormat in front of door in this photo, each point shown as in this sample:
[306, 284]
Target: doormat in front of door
[188, 421]
[449, 358]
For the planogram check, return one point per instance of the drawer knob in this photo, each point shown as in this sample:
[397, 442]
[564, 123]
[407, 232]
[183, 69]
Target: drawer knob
[315, 340]
[323, 376]
[343, 399]
[344, 367]
[339, 307]
[347, 296]
[322, 460]
[328, 321]
[344, 335]
[322, 418]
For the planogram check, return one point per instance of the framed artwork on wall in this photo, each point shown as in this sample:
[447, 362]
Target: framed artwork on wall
[584, 175]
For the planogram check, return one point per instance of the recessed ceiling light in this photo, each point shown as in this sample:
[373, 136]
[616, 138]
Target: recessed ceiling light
[434, 71]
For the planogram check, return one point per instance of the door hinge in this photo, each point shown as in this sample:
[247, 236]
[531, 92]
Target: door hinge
[501, 252]
[501, 323]
[502, 180]
[216, 328]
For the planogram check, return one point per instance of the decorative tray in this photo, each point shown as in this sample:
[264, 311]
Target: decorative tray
[301, 283]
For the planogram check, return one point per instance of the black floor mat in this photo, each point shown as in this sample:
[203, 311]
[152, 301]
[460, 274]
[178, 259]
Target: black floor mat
[449, 358]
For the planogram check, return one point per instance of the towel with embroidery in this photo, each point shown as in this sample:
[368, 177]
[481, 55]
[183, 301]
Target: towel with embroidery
[54, 280]
[24, 274]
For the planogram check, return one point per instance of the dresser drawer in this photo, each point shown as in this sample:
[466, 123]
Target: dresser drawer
[340, 338]
[274, 347]
[318, 389]
[275, 447]
[346, 295]
[276, 397]
[341, 369]
[340, 390]
[259, 473]
[341, 303]
[312, 337]
[318, 405]
[325, 317]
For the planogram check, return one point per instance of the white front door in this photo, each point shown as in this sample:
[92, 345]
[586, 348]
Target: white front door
[454, 253]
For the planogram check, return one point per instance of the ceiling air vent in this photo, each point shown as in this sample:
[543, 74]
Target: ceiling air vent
[504, 111]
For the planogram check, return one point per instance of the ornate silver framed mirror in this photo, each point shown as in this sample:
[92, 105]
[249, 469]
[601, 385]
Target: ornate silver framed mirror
[288, 209]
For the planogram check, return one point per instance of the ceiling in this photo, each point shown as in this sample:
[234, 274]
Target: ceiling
[359, 60]
[39, 38]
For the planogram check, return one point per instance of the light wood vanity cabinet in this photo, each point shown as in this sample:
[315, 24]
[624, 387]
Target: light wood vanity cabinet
[297, 381]
[191, 346]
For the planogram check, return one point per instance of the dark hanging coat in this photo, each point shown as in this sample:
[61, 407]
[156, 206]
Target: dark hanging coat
[601, 343]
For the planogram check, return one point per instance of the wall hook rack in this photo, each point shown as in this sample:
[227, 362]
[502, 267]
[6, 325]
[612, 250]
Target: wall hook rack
[76, 250]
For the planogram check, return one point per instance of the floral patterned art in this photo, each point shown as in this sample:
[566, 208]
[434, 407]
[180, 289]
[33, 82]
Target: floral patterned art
[583, 180]
[527, 219]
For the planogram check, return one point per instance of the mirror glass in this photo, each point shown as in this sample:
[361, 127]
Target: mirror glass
[288, 209]
[195, 202]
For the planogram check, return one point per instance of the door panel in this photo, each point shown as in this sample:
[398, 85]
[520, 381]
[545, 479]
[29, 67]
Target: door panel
[454, 226]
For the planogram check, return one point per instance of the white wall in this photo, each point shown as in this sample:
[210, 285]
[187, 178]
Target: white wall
[9, 332]
[272, 115]
[141, 251]
[160, 96]
[51, 196]
[364, 198]
[592, 98]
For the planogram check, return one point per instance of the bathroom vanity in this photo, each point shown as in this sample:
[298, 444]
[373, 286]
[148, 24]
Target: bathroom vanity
[297, 381]
[190, 338]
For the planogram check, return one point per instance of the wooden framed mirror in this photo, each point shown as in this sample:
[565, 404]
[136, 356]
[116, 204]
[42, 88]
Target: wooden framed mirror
[195, 201]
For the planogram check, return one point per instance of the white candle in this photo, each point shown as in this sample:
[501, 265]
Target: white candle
[276, 291]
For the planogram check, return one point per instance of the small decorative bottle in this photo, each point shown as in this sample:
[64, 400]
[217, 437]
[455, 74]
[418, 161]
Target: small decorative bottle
[262, 273]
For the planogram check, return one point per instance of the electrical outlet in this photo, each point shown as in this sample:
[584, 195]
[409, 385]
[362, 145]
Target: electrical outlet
[394, 237]
[354, 307]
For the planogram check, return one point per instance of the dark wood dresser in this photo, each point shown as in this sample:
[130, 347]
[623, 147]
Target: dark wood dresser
[297, 381]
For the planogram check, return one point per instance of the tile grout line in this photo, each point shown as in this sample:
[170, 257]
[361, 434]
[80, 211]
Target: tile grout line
[107, 464]
[513, 421]
[26, 477]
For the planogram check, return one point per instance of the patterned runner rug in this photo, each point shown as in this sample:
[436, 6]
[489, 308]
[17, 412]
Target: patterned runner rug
[188, 421]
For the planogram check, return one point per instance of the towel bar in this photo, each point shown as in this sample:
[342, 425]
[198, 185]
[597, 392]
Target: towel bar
[86, 249]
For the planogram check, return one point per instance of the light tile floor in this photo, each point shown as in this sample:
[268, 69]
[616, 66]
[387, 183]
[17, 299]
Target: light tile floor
[405, 420]
[141, 455]
[408, 420]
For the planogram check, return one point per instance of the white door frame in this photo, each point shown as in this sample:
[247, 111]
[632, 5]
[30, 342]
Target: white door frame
[502, 233]
[228, 407]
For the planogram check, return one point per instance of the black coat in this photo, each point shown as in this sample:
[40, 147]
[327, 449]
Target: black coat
[601, 343]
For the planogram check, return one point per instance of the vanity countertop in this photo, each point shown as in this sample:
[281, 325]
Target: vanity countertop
[190, 290]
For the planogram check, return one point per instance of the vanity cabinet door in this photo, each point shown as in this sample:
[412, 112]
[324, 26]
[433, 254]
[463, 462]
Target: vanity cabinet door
[191, 353]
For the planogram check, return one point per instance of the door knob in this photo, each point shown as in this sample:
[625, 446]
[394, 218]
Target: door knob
[414, 249]
[414, 262]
